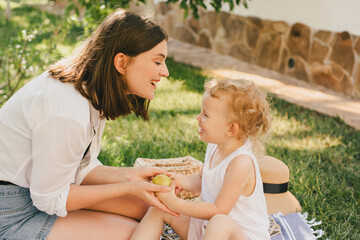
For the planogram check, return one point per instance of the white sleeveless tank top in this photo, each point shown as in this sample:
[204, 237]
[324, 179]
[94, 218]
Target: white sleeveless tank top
[249, 211]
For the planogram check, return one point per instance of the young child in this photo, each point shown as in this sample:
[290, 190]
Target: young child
[233, 114]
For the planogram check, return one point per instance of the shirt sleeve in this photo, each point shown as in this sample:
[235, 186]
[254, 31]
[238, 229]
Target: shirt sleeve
[57, 148]
[86, 166]
[90, 160]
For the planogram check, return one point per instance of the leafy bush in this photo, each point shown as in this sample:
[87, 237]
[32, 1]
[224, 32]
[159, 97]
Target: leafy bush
[23, 57]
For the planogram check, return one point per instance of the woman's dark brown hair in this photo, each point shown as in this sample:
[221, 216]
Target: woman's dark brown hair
[91, 68]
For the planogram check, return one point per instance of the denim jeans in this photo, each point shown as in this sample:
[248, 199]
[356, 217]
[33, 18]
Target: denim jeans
[19, 218]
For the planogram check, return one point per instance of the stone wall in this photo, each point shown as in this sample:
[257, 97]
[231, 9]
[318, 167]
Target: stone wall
[330, 59]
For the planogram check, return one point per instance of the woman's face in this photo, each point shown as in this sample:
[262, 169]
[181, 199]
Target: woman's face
[146, 70]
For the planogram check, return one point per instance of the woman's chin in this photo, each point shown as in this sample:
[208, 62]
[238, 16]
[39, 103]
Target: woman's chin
[148, 96]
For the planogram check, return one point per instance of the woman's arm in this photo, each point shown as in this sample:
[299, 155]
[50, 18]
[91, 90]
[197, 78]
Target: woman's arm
[239, 173]
[84, 196]
[131, 181]
[106, 174]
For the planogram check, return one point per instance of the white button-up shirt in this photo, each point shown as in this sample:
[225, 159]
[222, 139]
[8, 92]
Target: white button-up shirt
[45, 129]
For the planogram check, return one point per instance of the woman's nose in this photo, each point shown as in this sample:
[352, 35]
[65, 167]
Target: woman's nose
[164, 72]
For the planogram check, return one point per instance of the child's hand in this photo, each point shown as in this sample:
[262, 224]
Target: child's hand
[178, 179]
[167, 197]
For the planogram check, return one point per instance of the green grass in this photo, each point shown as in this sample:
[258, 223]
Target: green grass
[171, 130]
[322, 153]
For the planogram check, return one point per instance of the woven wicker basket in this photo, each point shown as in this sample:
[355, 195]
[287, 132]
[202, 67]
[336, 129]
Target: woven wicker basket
[183, 165]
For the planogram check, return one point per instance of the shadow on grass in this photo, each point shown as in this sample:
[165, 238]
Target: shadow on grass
[192, 77]
[319, 122]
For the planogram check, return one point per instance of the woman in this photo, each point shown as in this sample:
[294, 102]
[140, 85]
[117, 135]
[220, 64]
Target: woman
[51, 179]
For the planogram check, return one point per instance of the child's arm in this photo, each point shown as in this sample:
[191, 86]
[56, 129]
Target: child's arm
[239, 173]
[191, 183]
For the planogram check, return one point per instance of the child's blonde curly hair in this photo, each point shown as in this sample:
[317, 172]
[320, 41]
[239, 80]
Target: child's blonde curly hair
[248, 106]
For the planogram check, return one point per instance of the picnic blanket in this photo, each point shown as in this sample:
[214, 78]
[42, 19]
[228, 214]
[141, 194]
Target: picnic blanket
[293, 226]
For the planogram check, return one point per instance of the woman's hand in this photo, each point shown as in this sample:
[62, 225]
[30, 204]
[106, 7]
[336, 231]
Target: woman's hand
[146, 192]
[167, 197]
[145, 174]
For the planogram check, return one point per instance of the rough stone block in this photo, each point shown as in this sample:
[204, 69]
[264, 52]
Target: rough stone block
[342, 53]
[284, 60]
[256, 21]
[357, 46]
[323, 36]
[236, 31]
[318, 52]
[240, 51]
[162, 8]
[331, 76]
[299, 40]
[194, 24]
[204, 40]
[213, 22]
[183, 33]
[298, 70]
[168, 24]
[268, 51]
[357, 81]
[253, 32]
[279, 26]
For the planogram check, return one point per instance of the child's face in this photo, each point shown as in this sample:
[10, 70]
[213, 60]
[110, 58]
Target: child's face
[212, 119]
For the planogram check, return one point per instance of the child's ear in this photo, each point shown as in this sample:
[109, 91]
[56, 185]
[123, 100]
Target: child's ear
[120, 60]
[233, 129]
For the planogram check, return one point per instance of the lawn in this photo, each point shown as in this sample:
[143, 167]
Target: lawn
[322, 153]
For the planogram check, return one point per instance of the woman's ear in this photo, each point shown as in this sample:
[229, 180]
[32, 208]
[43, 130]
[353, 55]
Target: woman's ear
[120, 62]
[233, 129]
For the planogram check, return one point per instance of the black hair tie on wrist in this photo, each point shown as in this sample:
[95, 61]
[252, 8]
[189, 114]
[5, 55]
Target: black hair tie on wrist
[275, 188]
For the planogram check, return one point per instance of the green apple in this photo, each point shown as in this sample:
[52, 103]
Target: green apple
[162, 179]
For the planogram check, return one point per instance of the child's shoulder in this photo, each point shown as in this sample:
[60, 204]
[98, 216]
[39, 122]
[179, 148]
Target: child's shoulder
[240, 168]
[242, 160]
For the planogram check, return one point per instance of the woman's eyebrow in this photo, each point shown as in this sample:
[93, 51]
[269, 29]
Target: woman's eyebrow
[161, 55]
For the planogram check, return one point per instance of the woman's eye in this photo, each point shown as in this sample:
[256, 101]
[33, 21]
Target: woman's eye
[158, 63]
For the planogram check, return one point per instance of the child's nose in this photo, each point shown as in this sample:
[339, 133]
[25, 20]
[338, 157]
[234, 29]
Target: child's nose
[198, 118]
